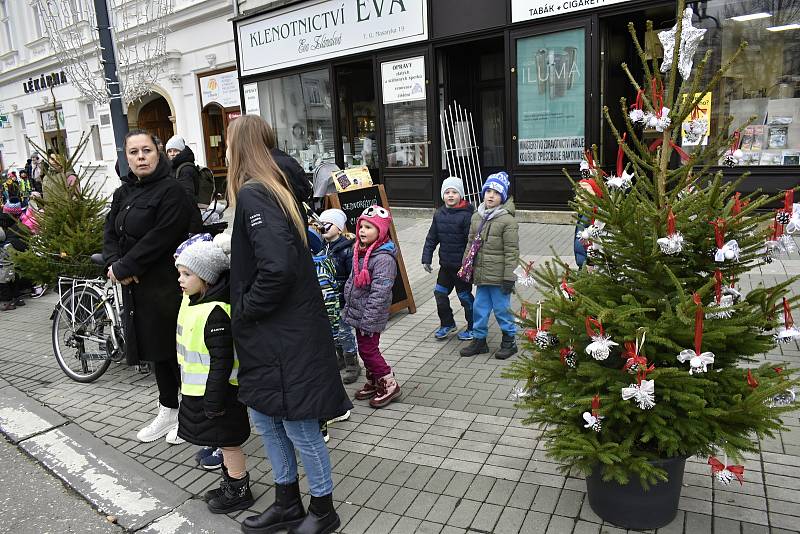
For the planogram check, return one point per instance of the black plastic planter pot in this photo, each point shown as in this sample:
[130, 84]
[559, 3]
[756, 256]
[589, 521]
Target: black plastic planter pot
[630, 506]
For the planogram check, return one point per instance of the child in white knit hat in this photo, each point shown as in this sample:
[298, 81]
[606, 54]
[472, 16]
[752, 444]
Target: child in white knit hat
[210, 412]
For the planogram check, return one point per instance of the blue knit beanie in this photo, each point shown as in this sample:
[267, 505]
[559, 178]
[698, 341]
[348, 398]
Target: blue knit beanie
[498, 182]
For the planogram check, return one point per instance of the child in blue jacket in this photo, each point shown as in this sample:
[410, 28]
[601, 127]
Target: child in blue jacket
[450, 230]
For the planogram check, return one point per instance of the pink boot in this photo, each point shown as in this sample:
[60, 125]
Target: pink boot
[388, 390]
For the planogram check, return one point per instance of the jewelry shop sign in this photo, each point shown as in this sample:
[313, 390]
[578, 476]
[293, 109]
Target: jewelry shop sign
[522, 10]
[327, 29]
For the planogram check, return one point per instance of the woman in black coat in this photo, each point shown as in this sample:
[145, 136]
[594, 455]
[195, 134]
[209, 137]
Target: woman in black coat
[148, 219]
[288, 375]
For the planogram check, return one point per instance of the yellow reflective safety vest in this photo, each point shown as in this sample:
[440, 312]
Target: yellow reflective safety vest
[193, 356]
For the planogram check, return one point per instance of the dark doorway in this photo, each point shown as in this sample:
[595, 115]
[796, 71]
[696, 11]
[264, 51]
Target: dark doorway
[358, 117]
[154, 117]
[473, 74]
[617, 49]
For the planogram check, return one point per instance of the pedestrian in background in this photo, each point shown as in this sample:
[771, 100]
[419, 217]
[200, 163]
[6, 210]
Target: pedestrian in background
[147, 221]
[449, 231]
[489, 263]
[340, 248]
[184, 168]
[368, 297]
[210, 414]
[287, 359]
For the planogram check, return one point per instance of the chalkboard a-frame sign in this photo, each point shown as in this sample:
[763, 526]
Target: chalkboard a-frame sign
[353, 203]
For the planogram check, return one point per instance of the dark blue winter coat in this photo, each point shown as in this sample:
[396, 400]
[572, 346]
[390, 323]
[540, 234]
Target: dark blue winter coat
[450, 231]
[578, 248]
[341, 252]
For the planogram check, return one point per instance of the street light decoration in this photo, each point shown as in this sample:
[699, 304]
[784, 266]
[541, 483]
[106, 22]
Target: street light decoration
[138, 35]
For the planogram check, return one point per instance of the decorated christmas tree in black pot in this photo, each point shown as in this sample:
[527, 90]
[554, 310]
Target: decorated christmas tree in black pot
[652, 354]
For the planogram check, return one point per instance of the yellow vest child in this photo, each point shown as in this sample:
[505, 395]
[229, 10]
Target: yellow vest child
[210, 413]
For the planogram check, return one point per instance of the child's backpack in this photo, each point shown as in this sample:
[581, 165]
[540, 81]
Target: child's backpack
[206, 188]
[326, 276]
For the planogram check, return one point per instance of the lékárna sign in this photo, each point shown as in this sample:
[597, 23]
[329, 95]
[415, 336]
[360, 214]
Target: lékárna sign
[327, 29]
[538, 9]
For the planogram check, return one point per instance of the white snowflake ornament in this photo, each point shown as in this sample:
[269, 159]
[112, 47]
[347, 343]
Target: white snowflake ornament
[695, 130]
[672, 244]
[623, 183]
[523, 275]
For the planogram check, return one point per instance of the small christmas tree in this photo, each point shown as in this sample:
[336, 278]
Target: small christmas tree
[70, 224]
[641, 357]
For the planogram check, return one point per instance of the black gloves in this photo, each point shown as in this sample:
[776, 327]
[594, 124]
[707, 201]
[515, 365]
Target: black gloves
[507, 287]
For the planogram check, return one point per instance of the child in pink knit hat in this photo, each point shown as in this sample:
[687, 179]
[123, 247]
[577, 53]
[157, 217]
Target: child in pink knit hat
[368, 296]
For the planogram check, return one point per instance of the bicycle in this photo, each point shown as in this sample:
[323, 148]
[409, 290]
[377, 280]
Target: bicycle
[87, 330]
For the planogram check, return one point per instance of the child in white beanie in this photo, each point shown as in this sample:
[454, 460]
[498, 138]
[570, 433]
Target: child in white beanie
[210, 412]
[340, 249]
[449, 231]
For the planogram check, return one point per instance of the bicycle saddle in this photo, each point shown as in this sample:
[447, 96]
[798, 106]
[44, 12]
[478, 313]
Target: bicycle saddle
[97, 259]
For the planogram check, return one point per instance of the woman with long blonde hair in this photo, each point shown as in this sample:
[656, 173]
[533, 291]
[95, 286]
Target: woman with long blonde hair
[287, 361]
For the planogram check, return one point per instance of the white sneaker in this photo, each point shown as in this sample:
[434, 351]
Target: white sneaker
[343, 417]
[172, 436]
[166, 419]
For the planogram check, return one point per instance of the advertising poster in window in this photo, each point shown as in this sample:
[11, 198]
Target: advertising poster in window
[551, 97]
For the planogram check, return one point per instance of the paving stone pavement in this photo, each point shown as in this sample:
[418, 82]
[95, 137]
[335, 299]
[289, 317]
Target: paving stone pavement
[452, 457]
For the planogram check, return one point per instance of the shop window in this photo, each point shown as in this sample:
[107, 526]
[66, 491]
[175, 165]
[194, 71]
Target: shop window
[299, 109]
[764, 82]
[405, 112]
[551, 98]
[55, 136]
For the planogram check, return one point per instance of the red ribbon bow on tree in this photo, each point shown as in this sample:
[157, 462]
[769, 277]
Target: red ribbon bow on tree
[751, 380]
[591, 321]
[636, 361]
[670, 222]
[564, 353]
[788, 321]
[657, 95]
[718, 285]
[567, 289]
[718, 468]
[681, 152]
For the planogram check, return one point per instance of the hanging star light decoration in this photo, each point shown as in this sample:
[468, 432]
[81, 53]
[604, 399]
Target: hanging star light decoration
[690, 40]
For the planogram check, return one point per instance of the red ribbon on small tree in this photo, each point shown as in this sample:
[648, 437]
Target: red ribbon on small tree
[621, 154]
[670, 221]
[639, 103]
[719, 232]
[566, 288]
[698, 323]
[751, 380]
[657, 95]
[697, 111]
[736, 470]
[590, 322]
[596, 405]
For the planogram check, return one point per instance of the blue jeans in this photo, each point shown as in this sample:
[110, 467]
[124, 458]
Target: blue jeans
[281, 437]
[490, 299]
[347, 338]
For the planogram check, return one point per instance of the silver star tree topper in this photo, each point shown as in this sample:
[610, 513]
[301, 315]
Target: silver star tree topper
[690, 40]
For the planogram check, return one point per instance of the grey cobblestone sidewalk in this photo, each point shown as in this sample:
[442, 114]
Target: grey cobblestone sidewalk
[452, 457]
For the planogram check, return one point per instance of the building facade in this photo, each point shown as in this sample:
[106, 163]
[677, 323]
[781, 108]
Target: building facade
[364, 82]
[195, 95]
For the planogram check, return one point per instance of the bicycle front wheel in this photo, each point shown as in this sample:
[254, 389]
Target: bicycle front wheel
[81, 328]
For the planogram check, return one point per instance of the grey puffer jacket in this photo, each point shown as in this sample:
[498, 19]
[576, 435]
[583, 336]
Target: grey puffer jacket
[367, 308]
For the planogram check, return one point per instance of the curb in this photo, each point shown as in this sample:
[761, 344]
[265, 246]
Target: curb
[112, 482]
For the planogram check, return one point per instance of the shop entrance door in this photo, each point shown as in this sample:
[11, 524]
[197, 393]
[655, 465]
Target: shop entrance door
[472, 74]
[358, 117]
[617, 49]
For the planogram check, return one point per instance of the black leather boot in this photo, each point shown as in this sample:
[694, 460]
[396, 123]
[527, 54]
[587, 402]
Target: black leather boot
[216, 492]
[353, 368]
[508, 347]
[476, 346]
[321, 518]
[286, 512]
[235, 495]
